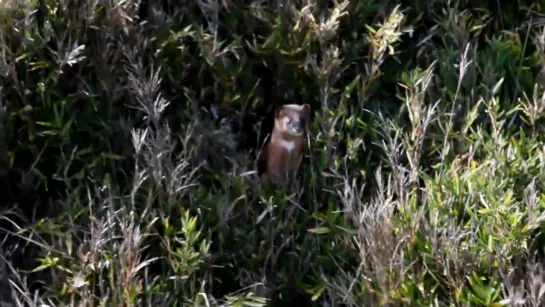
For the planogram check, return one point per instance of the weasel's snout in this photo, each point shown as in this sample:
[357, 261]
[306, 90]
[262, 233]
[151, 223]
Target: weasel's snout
[297, 126]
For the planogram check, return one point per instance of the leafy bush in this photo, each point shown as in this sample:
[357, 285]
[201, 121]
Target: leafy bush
[130, 131]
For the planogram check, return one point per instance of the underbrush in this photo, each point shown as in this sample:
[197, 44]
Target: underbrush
[130, 131]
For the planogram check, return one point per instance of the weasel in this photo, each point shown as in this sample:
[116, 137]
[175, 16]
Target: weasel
[282, 157]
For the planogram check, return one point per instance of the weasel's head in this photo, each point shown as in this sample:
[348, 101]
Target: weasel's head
[291, 119]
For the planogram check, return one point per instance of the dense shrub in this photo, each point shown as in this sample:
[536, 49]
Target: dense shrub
[130, 131]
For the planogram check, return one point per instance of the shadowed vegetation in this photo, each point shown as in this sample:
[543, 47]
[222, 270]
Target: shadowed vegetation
[130, 133]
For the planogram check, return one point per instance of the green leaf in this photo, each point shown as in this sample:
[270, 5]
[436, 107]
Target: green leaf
[317, 294]
[320, 230]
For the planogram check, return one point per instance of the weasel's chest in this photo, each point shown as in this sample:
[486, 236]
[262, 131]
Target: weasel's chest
[284, 156]
[287, 146]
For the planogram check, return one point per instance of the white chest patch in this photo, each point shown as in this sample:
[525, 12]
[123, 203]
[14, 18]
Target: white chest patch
[289, 146]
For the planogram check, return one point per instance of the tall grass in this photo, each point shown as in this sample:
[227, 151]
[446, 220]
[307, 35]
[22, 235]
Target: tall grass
[130, 131]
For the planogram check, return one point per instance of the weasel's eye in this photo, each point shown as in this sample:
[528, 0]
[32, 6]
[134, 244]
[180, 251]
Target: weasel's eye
[289, 120]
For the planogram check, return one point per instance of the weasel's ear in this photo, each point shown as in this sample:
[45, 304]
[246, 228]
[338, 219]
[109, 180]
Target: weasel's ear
[277, 112]
[305, 110]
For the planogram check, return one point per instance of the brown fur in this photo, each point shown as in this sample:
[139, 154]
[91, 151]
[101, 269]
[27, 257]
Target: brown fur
[280, 165]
